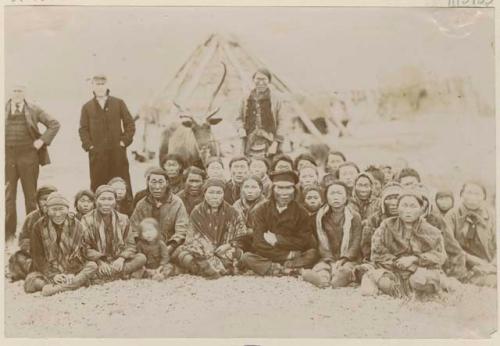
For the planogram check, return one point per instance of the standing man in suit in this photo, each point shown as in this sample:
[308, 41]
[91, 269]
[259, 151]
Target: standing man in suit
[106, 130]
[25, 151]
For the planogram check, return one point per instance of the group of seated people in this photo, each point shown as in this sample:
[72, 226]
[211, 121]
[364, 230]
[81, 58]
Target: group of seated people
[332, 225]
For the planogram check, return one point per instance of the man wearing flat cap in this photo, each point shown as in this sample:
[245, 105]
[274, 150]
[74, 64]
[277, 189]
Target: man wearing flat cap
[283, 240]
[108, 239]
[106, 130]
[25, 151]
[56, 249]
[259, 121]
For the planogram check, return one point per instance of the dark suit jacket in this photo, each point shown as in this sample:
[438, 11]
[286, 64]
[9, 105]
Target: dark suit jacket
[34, 116]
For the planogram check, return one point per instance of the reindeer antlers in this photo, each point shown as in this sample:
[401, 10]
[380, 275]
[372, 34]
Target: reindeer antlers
[214, 95]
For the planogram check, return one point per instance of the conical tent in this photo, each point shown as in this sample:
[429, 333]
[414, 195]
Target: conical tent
[194, 83]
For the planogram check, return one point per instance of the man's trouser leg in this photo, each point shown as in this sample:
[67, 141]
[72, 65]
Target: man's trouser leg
[80, 279]
[343, 275]
[11, 177]
[306, 259]
[260, 265]
[99, 168]
[34, 282]
[20, 265]
[134, 264]
[319, 275]
[425, 280]
[29, 169]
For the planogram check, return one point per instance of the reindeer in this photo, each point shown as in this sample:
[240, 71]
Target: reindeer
[193, 141]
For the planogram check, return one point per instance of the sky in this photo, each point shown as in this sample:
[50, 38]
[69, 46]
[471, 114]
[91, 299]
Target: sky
[55, 50]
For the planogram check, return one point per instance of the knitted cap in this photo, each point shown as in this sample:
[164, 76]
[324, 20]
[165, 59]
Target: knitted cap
[214, 182]
[45, 190]
[157, 171]
[411, 192]
[214, 159]
[104, 188]
[390, 189]
[55, 198]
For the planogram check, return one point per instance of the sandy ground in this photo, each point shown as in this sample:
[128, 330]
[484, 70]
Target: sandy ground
[271, 307]
[188, 306]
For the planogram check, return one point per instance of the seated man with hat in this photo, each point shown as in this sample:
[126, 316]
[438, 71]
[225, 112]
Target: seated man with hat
[283, 240]
[108, 238]
[56, 249]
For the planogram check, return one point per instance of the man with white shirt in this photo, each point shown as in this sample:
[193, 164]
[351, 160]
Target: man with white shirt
[283, 240]
[106, 130]
[25, 151]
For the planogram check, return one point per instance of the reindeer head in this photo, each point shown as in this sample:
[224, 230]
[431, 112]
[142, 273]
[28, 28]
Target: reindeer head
[206, 144]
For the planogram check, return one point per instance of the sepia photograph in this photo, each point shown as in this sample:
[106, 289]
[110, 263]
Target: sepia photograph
[250, 172]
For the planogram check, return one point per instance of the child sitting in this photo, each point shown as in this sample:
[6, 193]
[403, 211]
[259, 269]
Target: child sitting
[150, 244]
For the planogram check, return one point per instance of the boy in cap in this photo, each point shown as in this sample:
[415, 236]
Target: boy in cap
[283, 240]
[56, 249]
[108, 238]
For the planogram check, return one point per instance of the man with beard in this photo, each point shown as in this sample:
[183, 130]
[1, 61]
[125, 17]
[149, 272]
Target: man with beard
[192, 195]
[239, 167]
[108, 238]
[106, 130]
[338, 231]
[212, 249]
[20, 262]
[56, 249]
[388, 207]
[283, 239]
[362, 201]
[173, 164]
[166, 208]
[259, 121]
[472, 223]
